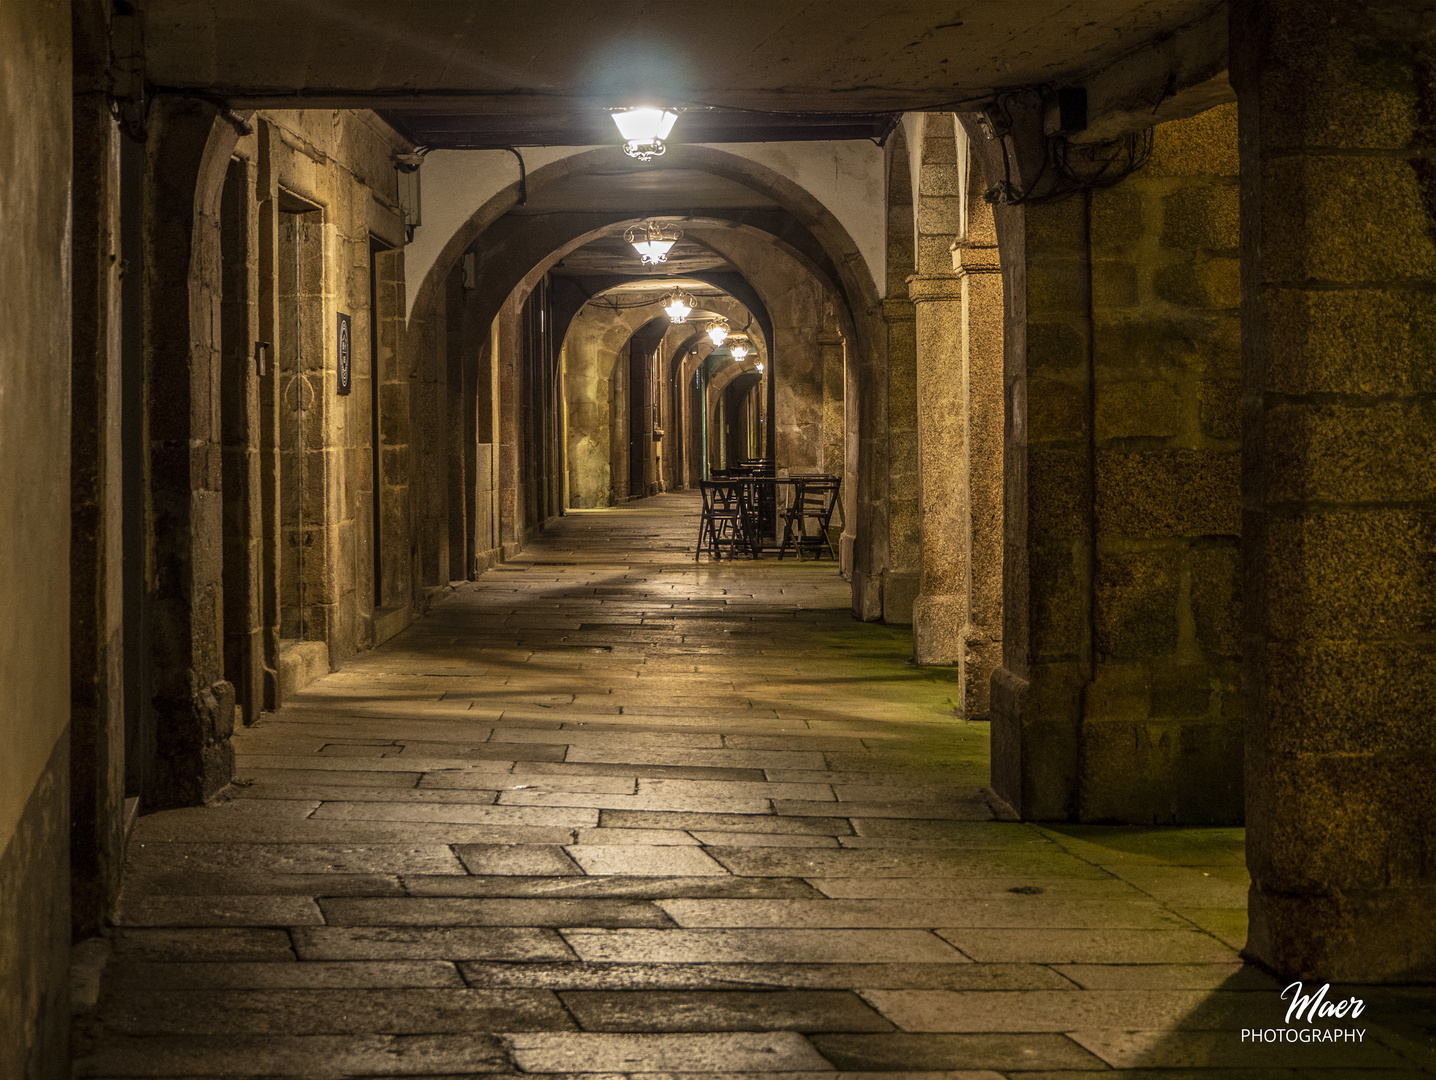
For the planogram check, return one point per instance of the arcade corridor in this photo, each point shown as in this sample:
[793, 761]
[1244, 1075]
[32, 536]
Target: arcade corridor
[621, 812]
[365, 712]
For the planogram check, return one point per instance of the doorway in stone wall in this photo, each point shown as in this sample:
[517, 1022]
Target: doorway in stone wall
[299, 390]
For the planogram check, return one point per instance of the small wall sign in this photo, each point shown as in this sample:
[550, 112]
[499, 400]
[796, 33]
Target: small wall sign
[346, 373]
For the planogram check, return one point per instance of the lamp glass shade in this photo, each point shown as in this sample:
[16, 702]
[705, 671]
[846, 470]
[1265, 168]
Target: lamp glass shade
[653, 251]
[739, 352]
[644, 124]
[677, 308]
[717, 333]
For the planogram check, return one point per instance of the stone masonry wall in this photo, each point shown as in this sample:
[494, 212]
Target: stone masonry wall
[1161, 734]
[35, 156]
[1119, 698]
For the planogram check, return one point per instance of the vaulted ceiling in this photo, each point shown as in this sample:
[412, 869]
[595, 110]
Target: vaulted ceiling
[542, 71]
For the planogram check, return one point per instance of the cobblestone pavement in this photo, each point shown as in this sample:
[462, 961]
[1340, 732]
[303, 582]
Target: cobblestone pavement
[607, 811]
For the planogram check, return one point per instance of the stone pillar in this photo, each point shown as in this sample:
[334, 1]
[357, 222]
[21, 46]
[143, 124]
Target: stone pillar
[940, 611]
[830, 347]
[1338, 209]
[958, 611]
[97, 722]
[193, 703]
[900, 578]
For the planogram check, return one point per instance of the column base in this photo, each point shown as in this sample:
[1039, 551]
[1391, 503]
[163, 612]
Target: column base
[1369, 937]
[938, 621]
[867, 596]
[1034, 741]
[899, 595]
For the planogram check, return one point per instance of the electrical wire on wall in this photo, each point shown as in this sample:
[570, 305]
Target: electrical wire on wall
[1067, 168]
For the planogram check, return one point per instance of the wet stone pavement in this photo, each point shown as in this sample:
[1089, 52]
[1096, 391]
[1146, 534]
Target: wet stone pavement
[608, 812]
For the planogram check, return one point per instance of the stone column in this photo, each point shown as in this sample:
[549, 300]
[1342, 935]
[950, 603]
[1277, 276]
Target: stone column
[957, 615]
[900, 577]
[939, 614]
[1338, 265]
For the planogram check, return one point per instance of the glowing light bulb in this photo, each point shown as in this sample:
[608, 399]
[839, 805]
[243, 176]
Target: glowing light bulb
[739, 352]
[652, 241]
[717, 333]
[678, 308]
[758, 368]
[653, 251]
[643, 130]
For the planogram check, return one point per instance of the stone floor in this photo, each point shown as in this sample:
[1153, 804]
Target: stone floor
[607, 812]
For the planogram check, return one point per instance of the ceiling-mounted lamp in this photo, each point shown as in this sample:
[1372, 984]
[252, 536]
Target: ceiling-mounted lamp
[643, 129]
[758, 368]
[739, 350]
[717, 332]
[652, 240]
[678, 305]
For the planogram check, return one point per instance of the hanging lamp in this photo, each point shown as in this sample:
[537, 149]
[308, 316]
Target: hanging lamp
[652, 240]
[717, 331]
[678, 305]
[739, 350]
[643, 129]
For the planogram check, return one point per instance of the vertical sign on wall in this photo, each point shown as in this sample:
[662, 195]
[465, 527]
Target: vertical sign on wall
[345, 368]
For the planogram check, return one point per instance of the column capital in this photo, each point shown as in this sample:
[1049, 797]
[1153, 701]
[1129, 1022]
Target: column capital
[972, 258]
[898, 310]
[926, 288]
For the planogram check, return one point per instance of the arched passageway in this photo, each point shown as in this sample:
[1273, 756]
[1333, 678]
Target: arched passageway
[371, 638]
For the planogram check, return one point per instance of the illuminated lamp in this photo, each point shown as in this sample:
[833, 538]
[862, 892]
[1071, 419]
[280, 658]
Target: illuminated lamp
[717, 331]
[678, 306]
[643, 129]
[652, 241]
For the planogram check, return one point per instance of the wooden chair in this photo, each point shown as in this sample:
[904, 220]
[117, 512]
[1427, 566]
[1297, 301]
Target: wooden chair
[805, 521]
[724, 524]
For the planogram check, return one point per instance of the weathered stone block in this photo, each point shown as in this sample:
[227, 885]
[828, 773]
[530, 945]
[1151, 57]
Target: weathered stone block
[1058, 490]
[1201, 282]
[1348, 821]
[1336, 696]
[1114, 284]
[1136, 603]
[1216, 599]
[1204, 217]
[1057, 602]
[1203, 144]
[1367, 572]
[1130, 409]
[1168, 493]
[1053, 346]
[1308, 232]
[1116, 217]
[1057, 226]
[1220, 408]
[1382, 452]
[1056, 411]
[1161, 773]
[1057, 285]
[1357, 341]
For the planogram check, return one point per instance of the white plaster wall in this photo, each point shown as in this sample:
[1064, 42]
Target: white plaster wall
[846, 176]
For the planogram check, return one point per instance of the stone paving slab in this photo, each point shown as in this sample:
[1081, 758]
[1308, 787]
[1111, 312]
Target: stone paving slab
[216, 911]
[461, 911]
[666, 1010]
[1028, 912]
[346, 1011]
[1106, 946]
[315, 974]
[765, 1052]
[618, 885]
[426, 943]
[697, 811]
[785, 946]
[307, 1057]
